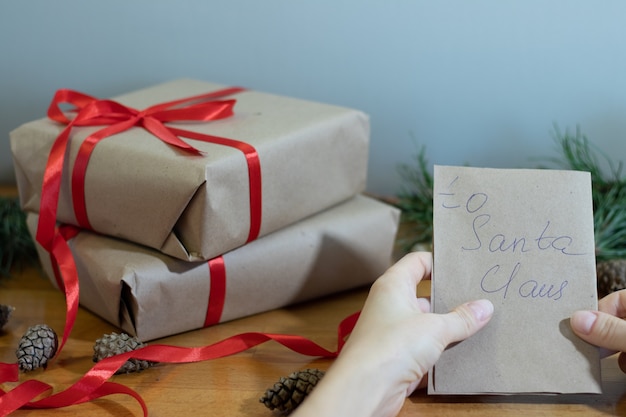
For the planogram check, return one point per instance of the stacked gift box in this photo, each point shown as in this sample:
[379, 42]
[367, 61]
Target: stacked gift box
[267, 209]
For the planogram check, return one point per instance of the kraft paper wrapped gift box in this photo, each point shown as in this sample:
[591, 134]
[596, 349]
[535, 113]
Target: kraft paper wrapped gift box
[312, 156]
[152, 295]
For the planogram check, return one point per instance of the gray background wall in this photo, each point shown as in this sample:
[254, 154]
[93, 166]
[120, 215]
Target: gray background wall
[479, 82]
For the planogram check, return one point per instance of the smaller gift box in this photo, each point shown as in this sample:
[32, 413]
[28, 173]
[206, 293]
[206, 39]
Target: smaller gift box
[264, 161]
[152, 295]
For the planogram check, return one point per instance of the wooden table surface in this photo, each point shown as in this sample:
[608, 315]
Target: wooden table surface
[231, 386]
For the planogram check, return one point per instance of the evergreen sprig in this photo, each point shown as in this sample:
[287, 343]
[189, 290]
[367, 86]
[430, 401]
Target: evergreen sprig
[608, 191]
[16, 244]
[610, 224]
[579, 154]
[415, 199]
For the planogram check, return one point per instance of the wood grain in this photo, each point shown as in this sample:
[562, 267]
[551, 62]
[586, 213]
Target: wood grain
[231, 386]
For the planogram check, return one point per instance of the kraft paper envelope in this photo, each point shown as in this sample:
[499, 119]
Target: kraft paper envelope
[523, 239]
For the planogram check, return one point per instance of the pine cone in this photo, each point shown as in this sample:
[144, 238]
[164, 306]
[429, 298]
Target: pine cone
[37, 346]
[5, 314]
[288, 393]
[611, 276]
[115, 344]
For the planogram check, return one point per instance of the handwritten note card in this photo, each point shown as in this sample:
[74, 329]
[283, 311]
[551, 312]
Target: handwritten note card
[524, 240]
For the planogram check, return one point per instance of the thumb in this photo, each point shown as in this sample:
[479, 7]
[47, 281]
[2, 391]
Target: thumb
[600, 329]
[467, 319]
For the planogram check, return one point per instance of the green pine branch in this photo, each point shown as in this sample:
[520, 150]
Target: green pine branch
[16, 244]
[415, 200]
[608, 191]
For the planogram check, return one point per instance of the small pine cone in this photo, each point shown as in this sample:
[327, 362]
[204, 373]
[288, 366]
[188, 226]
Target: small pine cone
[289, 392]
[115, 344]
[611, 276]
[37, 346]
[5, 314]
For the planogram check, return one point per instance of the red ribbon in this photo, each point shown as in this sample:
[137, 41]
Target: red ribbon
[217, 292]
[94, 383]
[64, 261]
[118, 118]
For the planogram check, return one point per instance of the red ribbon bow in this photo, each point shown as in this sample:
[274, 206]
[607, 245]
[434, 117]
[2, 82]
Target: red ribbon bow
[118, 118]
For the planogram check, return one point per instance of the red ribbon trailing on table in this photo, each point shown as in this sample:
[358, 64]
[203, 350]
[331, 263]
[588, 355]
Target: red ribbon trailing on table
[94, 384]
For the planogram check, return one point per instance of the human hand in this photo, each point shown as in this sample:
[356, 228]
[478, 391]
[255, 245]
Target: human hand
[393, 345]
[606, 327]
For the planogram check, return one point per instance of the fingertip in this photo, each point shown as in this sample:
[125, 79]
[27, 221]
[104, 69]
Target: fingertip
[423, 304]
[481, 309]
[621, 361]
[469, 318]
[582, 321]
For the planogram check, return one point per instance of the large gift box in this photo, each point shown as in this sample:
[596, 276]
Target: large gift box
[308, 156]
[152, 295]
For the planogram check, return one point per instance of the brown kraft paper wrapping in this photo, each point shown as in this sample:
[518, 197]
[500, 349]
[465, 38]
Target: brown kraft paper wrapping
[312, 157]
[152, 295]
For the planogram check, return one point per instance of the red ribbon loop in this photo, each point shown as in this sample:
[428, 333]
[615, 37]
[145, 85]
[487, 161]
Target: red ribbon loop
[118, 118]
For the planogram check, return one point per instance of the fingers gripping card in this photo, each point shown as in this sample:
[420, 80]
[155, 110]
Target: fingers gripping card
[523, 239]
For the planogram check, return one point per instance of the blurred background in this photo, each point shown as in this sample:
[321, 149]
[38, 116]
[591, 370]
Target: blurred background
[481, 83]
